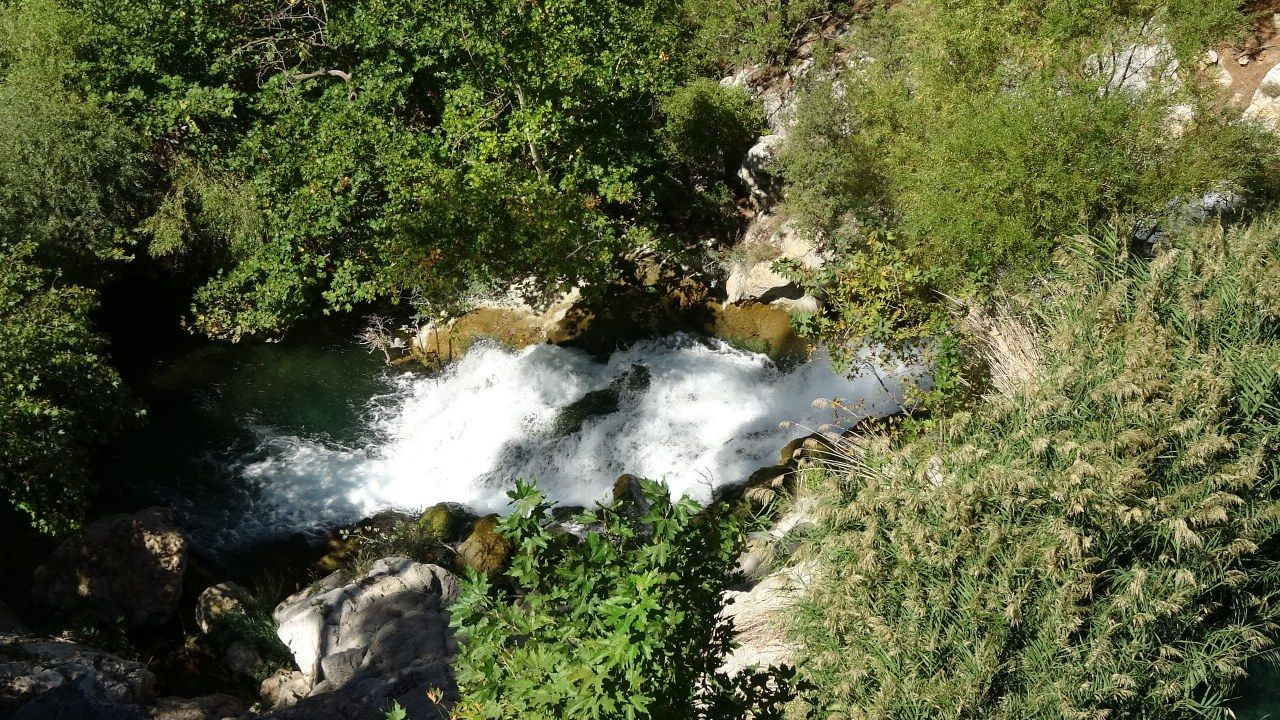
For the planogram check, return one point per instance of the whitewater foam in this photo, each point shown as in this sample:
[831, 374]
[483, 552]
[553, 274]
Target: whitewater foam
[709, 416]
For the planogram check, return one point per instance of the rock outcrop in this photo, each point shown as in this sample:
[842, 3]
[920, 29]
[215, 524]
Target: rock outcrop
[752, 274]
[46, 679]
[364, 643]
[1265, 106]
[122, 567]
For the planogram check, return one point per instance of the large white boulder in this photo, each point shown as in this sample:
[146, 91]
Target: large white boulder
[769, 239]
[363, 643]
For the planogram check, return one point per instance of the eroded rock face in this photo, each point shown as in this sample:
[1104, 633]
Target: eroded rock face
[755, 172]
[361, 644]
[752, 276]
[122, 567]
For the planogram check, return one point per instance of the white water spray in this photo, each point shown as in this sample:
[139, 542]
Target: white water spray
[709, 416]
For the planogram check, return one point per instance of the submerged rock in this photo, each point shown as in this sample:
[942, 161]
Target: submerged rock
[600, 402]
[362, 644]
[122, 567]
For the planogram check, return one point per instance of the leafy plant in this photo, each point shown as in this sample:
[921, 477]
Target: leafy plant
[620, 624]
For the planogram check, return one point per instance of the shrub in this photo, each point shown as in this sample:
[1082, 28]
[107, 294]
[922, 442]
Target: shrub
[1098, 538]
[622, 624]
[970, 135]
[735, 32]
[59, 397]
[709, 128]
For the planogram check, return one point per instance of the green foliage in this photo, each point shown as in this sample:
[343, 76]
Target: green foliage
[966, 137]
[1095, 539]
[71, 175]
[59, 397]
[708, 130]
[394, 151]
[621, 624]
[735, 32]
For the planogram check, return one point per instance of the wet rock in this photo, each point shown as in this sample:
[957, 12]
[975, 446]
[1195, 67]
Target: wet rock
[217, 603]
[601, 402]
[758, 327]
[123, 567]
[381, 637]
[485, 551]
[446, 522]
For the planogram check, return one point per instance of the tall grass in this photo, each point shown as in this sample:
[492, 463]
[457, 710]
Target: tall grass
[1095, 540]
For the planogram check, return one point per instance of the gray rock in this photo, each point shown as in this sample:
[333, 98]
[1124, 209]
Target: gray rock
[122, 567]
[41, 678]
[765, 189]
[243, 659]
[361, 644]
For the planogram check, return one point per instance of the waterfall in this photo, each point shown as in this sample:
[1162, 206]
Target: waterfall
[695, 413]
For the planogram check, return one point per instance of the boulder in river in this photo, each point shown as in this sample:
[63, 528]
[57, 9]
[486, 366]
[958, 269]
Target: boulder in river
[122, 567]
[446, 522]
[362, 644]
[485, 551]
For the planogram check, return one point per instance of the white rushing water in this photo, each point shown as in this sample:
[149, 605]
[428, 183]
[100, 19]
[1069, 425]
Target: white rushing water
[709, 416]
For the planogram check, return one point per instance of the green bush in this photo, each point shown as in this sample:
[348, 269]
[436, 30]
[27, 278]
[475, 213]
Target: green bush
[622, 624]
[709, 129]
[735, 32]
[60, 399]
[1097, 538]
[970, 135]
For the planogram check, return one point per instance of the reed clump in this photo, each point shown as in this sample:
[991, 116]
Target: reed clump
[1097, 539]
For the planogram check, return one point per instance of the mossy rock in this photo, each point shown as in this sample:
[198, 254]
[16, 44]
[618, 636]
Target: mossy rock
[446, 522]
[767, 484]
[788, 454]
[484, 550]
[757, 327]
[627, 487]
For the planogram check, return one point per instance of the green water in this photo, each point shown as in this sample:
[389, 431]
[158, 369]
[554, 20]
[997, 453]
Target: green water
[209, 405]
